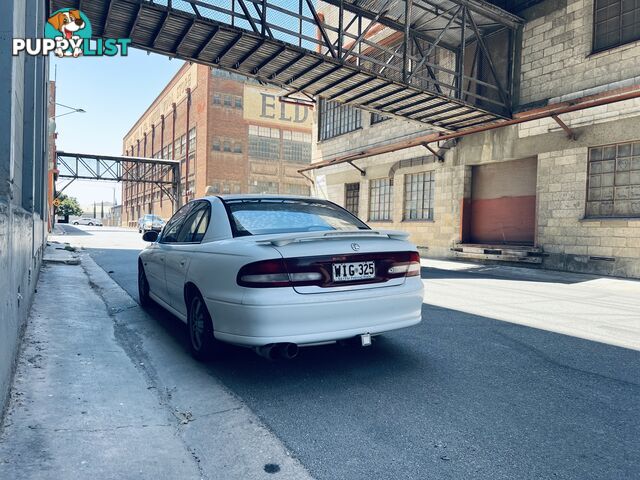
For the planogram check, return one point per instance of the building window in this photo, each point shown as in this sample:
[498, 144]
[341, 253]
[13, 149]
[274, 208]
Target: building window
[226, 146]
[192, 140]
[297, 189]
[352, 197]
[263, 187]
[337, 119]
[238, 102]
[377, 118]
[380, 199]
[230, 187]
[227, 101]
[217, 100]
[264, 143]
[418, 196]
[180, 146]
[237, 148]
[215, 145]
[613, 188]
[191, 162]
[296, 147]
[616, 22]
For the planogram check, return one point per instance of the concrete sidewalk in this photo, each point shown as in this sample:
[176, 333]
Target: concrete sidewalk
[90, 400]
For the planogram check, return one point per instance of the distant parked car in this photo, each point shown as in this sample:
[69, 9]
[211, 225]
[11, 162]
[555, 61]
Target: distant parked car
[275, 272]
[87, 221]
[150, 222]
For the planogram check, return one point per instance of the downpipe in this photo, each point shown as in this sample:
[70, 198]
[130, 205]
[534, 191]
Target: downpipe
[275, 351]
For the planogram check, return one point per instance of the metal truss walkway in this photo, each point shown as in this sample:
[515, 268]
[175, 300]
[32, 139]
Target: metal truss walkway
[159, 172]
[446, 63]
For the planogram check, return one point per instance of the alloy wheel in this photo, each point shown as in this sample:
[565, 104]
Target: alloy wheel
[197, 323]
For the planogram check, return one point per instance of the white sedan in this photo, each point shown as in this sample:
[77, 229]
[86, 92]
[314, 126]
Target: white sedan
[276, 272]
[87, 221]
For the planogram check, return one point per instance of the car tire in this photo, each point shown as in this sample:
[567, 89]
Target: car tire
[91, 224]
[202, 343]
[76, 223]
[143, 288]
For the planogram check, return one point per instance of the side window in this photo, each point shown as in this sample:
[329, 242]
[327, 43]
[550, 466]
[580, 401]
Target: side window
[201, 229]
[195, 226]
[171, 229]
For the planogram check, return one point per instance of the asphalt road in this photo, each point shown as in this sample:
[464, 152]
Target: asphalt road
[461, 396]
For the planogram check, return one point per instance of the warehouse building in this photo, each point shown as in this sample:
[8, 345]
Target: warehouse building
[231, 134]
[561, 189]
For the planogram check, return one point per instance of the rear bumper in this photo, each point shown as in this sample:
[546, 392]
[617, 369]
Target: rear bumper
[304, 319]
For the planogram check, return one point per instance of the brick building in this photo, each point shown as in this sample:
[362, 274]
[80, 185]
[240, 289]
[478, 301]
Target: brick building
[230, 133]
[522, 192]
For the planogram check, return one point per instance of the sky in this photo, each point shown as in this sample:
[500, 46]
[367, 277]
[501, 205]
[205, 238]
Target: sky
[114, 92]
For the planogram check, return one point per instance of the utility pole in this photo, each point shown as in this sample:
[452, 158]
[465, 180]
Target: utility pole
[101, 209]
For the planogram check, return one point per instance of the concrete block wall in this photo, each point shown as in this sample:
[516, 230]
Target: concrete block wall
[556, 66]
[433, 237]
[594, 116]
[557, 54]
[23, 163]
[21, 248]
[606, 246]
[369, 135]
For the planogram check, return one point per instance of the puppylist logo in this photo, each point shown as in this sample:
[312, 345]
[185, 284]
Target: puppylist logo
[68, 33]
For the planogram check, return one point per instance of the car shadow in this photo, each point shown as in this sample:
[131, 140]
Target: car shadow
[72, 231]
[504, 272]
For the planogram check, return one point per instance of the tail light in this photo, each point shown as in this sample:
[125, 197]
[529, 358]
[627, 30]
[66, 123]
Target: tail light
[274, 273]
[269, 273]
[306, 271]
[409, 267]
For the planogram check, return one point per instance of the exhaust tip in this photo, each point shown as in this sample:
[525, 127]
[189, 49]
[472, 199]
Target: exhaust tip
[288, 351]
[267, 351]
[273, 351]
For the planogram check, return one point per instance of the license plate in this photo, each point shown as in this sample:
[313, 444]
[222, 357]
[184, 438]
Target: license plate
[348, 272]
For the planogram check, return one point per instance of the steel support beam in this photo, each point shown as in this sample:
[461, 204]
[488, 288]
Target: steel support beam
[433, 152]
[549, 111]
[389, 44]
[570, 133]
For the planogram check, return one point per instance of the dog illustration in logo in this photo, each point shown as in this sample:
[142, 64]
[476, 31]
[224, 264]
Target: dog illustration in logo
[68, 23]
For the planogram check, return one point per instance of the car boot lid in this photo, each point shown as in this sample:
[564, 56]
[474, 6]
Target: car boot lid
[282, 239]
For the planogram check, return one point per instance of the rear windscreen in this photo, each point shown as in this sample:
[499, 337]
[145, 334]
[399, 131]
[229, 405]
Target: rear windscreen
[269, 216]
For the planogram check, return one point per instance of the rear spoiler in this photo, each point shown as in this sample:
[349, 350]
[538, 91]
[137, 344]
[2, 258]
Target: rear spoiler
[282, 239]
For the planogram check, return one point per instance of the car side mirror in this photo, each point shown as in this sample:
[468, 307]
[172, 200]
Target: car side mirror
[150, 236]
